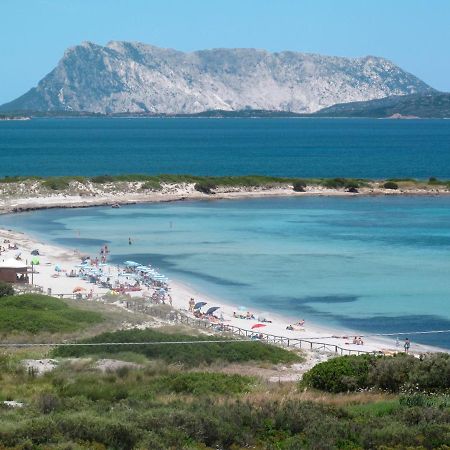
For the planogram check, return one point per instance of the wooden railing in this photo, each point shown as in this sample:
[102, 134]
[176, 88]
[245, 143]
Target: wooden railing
[177, 316]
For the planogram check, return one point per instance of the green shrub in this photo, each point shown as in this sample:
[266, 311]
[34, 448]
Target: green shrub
[201, 383]
[101, 179]
[341, 374]
[56, 184]
[34, 313]
[390, 185]
[335, 183]
[352, 185]
[431, 373]
[152, 185]
[205, 187]
[391, 373]
[187, 354]
[299, 186]
[6, 289]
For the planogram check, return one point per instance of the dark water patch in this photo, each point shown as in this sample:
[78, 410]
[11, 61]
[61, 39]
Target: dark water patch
[164, 263]
[81, 241]
[304, 305]
[376, 324]
[403, 324]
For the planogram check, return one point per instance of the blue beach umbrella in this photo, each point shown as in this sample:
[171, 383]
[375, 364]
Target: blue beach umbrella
[213, 309]
[131, 263]
[199, 305]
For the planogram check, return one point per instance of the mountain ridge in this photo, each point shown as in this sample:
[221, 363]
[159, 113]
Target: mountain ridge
[135, 77]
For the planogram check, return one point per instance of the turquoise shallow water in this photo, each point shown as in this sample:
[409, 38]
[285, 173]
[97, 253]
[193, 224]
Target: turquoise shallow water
[373, 264]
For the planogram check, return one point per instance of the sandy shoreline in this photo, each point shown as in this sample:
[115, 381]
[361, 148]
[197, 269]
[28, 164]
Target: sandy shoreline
[29, 195]
[67, 259]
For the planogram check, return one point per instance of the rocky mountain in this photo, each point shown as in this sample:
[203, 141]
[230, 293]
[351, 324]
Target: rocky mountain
[430, 105]
[135, 77]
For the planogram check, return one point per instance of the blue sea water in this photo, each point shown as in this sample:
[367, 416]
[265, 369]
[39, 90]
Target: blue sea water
[361, 148]
[377, 264]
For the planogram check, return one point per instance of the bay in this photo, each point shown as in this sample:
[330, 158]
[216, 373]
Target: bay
[375, 264]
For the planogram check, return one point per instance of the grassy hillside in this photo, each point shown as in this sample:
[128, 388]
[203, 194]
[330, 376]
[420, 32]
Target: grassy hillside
[34, 313]
[190, 355]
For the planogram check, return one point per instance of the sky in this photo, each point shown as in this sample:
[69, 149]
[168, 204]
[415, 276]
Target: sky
[415, 34]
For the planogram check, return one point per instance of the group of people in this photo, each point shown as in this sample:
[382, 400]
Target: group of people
[248, 316]
[296, 326]
[104, 251]
[10, 247]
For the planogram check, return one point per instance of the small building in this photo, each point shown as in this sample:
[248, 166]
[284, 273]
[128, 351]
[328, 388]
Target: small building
[13, 271]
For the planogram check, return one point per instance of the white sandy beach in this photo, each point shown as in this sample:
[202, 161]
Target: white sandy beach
[48, 278]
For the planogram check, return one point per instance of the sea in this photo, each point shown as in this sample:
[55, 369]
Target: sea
[374, 264]
[360, 148]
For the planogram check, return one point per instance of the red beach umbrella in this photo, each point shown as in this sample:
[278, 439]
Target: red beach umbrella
[258, 325]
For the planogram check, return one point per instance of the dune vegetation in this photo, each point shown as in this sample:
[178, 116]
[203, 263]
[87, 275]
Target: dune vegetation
[191, 355]
[207, 183]
[35, 313]
[185, 393]
[172, 406]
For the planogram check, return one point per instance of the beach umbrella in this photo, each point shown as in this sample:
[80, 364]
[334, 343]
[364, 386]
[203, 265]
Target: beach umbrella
[35, 252]
[212, 309]
[131, 263]
[78, 289]
[35, 261]
[199, 305]
[58, 269]
[18, 254]
[258, 325]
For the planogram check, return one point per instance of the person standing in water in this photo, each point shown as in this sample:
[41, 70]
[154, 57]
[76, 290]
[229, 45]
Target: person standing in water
[129, 241]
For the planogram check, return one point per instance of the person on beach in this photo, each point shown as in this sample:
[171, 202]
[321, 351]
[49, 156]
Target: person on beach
[191, 304]
[407, 345]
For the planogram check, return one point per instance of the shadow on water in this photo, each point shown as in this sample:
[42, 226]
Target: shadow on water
[377, 324]
[81, 241]
[163, 262]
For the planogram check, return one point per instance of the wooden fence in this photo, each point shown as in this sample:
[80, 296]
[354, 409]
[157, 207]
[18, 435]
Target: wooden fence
[176, 316]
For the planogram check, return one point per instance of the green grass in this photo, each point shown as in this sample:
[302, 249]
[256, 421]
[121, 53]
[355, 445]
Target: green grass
[375, 409]
[34, 313]
[188, 354]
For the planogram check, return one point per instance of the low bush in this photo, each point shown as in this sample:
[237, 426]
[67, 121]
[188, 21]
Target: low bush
[299, 186]
[400, 373]
[6, 289]
[152, 185]
[334, 183]
[352, 185]
[206, 187]
[341, 374]
[391, 373]
[390, 185]
[202, 383]
[56, 184]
